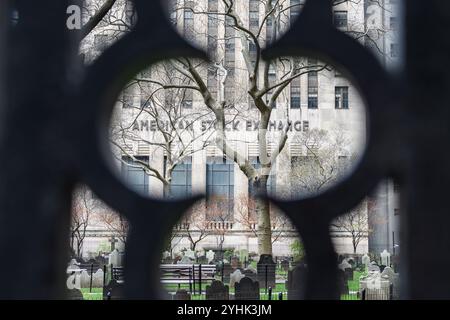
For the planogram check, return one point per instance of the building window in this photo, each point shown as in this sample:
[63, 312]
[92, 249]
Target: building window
[396, 212]
[295, 94]
[313, 90]
[189, 21]
[395, 50]
[340, 19]
[212, 27]
[219, 187]
[181, 184]
[341, 100]
[393, 24]
[295, 7]
[134, 174]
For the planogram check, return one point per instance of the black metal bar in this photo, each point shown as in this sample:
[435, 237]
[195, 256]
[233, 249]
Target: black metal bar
[270, 293]
[266, 277]
[200, 278]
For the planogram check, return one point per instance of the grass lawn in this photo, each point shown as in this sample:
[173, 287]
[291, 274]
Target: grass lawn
[353, 285]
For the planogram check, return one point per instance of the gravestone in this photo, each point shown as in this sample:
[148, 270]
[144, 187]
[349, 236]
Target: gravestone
[113, 291]
[374, 287]
[344, 265]
[342, 282]
[182, 294]
[389, 274]
[266, 271]
[217, 291]
[296, 283]
[85, 279]
[97, 279]
[190, 254]
[250, 272]
[365, 260]
[236, 276]
[115, 259]
[210, 256]
[385, 258]
[373, 267]
[246, 289]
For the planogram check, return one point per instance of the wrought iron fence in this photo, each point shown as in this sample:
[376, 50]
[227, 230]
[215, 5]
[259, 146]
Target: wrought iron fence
[54, 114]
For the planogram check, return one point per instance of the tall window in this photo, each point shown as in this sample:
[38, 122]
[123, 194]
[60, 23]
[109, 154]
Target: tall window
[189, 20]
[212, 27]
[313, 90]
[219, 186]
[341, 94]
[230, 58]
[295, 7]
[295, 93]
[134, 175]
[181, 184]
[340, 19]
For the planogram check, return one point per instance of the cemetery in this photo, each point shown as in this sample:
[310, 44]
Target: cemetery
[205, 277]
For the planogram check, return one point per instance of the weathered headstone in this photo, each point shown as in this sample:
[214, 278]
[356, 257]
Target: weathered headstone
[210, 256]
[97, 279]
[236, 276]
[250, 272]
[113, 291]
[344, 265]
[217, 291]
[182, 295]
[374, 287]
[389, 274]
[373, 267]
[296, 283]
[246, 289]
[114, 258]
[266, 271]
[85, 279]
[365, 260]
[385, 258]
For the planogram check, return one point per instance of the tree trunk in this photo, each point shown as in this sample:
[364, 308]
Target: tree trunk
[261, 208]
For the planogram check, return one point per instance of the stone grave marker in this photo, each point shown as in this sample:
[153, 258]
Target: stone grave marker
[385, 258]
[235, 277]
[217, 291]
[210, 255]
[373, 267]
[250, 272]
[296, 282]
[365, 260]
[246, 289]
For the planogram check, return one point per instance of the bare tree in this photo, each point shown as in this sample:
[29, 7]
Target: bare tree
[327, 159]
[83, 207]
[114, 222]
[355, 223]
